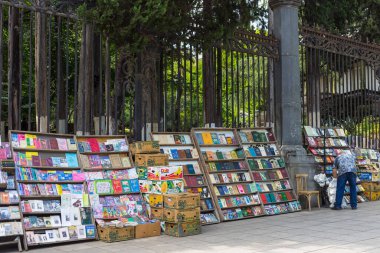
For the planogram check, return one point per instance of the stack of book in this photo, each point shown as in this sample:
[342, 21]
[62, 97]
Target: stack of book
[51, 188]
[227, 171]
[268, 170]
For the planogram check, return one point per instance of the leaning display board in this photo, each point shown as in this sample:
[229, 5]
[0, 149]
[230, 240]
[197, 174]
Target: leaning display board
[53, 202]
[182, 151]
[112, 181]
[10, 219]
[268, 170]
[228, 173]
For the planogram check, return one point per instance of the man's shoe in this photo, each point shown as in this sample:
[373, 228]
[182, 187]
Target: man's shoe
[336, 208]
[354, 208]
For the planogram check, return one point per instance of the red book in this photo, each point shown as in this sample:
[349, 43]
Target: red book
[289, 196]
[264, 198]
[117, 186]
[94, 144]
[270, 136]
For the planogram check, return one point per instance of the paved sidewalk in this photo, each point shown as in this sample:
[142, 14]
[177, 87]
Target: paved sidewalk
[324, 230]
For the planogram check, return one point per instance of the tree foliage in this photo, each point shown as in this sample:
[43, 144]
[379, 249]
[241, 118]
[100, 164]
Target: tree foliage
[138, 22]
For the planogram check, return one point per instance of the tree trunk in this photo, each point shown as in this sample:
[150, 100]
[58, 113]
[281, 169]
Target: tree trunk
[14, 85]
[208, 76]
[147, 99]
[98, 93]
[218, 113]
[61, 91]
[86, 79]
[40, 71]
[208, 87]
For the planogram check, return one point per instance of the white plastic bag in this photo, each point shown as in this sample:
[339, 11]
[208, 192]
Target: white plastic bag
[320, 179]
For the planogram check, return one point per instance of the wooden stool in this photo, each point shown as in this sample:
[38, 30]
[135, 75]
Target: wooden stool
[302, 190]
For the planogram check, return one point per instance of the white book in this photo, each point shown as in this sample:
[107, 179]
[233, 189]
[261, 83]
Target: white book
[55, 221]
[64, 233]
[49, 235]
[75, 216]
[81, 232]
[66, 216]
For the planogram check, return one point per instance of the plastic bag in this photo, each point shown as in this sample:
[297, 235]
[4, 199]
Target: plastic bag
[320, 179]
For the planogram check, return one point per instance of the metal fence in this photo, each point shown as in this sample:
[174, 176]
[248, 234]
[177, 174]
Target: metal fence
[341, 85]
[239, 78]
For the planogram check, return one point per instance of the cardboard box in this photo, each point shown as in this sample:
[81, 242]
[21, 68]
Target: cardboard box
[183, 229]
[114, 234]
[371, 186]
[145, 147]
[156, 213]
[148, 230]
[171, 172]
[186, 215]
[181, 200]
[372, 195]
[151, 159]
[156, 200]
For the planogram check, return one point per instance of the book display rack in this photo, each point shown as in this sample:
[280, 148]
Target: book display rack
[112, 181]
[10, 219]
[325, 144]
[181, 150]
[368, 165]
[268, 170]
[53, 203]
[227, 170]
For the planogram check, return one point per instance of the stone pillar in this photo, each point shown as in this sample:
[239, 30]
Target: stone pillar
[287, 91]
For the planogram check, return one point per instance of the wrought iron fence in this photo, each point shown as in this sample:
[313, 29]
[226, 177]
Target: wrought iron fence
[341, 85]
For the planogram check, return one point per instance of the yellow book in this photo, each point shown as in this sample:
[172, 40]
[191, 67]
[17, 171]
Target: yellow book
[86, 200]
[207, 139]
[233, 154]
[29, 155]
[30, 140]
[59, 189]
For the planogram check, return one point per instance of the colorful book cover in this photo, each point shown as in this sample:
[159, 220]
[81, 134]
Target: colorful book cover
[103, 186]
[71, 159]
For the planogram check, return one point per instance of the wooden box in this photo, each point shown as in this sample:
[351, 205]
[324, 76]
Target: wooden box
[156, 213]
[115, 234]
[186, 215]
[183, 229]
[151, 159]
[145, 147]
[181, 200]
[148, 230]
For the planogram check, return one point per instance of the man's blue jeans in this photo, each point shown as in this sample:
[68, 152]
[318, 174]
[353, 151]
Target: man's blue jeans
[349, 177]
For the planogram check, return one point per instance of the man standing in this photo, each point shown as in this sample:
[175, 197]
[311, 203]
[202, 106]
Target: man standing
[345, 164]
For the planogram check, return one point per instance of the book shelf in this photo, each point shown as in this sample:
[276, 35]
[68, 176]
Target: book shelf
[227, 171]
[53, 201]
[111, 179]
[268, 170]
[325, 144]
[182, 151]
[10, 220]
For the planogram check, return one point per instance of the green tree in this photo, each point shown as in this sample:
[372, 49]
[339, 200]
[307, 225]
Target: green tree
[356, 18]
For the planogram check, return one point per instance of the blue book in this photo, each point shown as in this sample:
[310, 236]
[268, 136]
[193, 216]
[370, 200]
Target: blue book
[252, 151]
[134, 185]
[199, 138]
[72, 160]
[174, 153]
